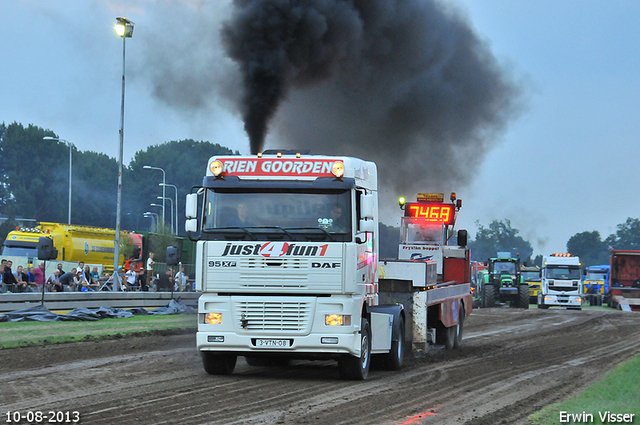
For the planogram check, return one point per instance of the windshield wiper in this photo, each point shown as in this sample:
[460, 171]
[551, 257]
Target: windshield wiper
[313, 228]
[244, 229]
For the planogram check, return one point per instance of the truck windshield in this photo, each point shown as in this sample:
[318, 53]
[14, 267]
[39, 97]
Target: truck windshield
[420, 232]
[19, 251]
[555, 272]
[596, 275]
[265, 214]
[531, 276]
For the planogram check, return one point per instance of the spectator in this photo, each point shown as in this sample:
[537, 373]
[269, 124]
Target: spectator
[3, 287]
[181, 280]
[150, 264]
[68, 280]
[142, 279]
[95, 274]
[8, 279]
[31, 279]
[60, 271]
[22, 280]
[39, 277]
[88, 284]
[53, 282]
[131, 280]
[165, 283]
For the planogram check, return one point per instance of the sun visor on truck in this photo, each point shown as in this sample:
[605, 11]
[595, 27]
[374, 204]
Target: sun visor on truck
[229, 182]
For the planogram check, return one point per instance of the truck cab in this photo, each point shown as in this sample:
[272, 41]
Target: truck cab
[287, 263]
[560, 282]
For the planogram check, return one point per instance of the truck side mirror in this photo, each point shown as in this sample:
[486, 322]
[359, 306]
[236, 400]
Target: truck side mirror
[46, 251]
[367, 226]
[367, 206]
[191, 225]
[191, 206]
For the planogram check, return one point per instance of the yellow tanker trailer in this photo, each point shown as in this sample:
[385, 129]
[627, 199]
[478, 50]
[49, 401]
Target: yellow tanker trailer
[93, 245]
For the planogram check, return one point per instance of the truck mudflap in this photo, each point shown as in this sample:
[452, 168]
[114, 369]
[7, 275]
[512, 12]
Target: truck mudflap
[381, 342]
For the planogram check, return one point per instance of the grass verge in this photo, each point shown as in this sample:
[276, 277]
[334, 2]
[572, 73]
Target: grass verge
[617, 393]
[24, 334]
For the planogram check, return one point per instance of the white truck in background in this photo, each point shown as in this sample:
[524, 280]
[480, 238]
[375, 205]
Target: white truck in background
[560, 283]
[287, 263]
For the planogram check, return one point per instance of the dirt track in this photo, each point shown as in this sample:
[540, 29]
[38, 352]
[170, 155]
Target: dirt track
[513, 362]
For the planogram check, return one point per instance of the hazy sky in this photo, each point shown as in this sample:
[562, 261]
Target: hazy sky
[566, 164]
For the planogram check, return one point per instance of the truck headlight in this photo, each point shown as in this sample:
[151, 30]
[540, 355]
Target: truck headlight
[213, 318]
[337, 320]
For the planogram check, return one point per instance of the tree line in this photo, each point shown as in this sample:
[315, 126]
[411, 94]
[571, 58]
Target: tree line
[499, 236]
[35, 180]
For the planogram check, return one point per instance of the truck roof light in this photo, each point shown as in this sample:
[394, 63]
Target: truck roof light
[337, 169]
[216, 168]
[401, 201]
[453, 196]
[298, 155]
[279, 154]
[259, 154]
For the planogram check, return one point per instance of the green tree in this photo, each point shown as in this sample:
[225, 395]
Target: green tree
[627, 235]
[591, 249]
[184, 163]
[31, 169]
[499, 236]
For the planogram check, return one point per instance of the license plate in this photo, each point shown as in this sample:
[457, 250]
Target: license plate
[273, 343]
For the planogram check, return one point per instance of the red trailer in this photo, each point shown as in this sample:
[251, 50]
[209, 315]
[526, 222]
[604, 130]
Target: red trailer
[625, 280]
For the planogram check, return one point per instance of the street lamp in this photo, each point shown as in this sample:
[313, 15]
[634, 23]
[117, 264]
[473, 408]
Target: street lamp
[152, 216]
[57, 139]
[124, 28]
[149, 167]
[176, 204]
[172, 216]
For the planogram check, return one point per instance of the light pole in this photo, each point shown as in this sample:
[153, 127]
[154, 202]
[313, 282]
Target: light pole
[149, 167]
[152, 216]
[124, 28]
[57, 139]
[172, 215]
[176, 204]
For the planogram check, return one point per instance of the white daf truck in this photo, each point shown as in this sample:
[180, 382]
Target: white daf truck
[287, 263]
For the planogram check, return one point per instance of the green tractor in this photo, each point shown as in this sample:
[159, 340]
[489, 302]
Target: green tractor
[503, 283]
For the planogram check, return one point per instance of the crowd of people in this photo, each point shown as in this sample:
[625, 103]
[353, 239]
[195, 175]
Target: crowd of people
[83, 278]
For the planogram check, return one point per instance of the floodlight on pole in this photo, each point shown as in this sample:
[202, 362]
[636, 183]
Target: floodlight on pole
[124, 28]
[57, 139]
[172, 216]
[176, 204]
[164, 181]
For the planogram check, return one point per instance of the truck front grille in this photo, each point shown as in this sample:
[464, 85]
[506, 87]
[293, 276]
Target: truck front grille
[272, 316]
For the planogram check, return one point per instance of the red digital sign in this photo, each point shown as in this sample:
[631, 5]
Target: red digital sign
[431, 212]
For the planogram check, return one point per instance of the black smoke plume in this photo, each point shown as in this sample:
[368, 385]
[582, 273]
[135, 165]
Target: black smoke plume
[406, 83]
[401, 80]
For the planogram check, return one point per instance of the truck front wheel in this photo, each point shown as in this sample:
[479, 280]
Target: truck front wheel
[357, 368]
[218, 363]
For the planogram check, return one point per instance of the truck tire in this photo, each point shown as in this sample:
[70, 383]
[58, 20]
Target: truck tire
[489, 295]
[357, 368]
[393, 360]
[523, 294]
[218, 363]
[459, 329]
[446, 336]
